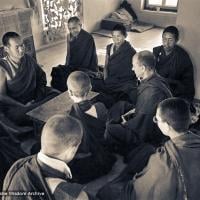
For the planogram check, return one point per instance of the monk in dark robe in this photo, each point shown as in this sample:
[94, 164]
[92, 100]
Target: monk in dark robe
[92, 160]
[118, 78]
[22, 84]
[173, 171]
[174, 64]
[81, 54]
[10, 151]
[125, 127]
[137, 160]
[46, 175]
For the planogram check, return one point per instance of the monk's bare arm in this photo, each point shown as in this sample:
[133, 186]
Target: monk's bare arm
[3, 93]
[83, 196]
[5, 122]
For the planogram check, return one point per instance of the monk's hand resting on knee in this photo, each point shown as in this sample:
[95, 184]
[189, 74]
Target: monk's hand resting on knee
[125, 117]
[30, 103]
[97, 75]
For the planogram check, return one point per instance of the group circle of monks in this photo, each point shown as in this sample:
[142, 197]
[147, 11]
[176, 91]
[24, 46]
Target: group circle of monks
[143, 114]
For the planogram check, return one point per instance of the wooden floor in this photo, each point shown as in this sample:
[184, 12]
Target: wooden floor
[55, 55]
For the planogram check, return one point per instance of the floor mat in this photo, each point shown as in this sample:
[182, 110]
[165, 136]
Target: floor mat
[136, 26]
[103, 32]
[141, 27]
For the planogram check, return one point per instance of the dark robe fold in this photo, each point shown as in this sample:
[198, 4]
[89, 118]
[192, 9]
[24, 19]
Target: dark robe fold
[30, 175]
[141, 126]
[93, 127]
[82, 52]
[9, 152]
[99, 161]
[29, 84]
[119, 64]
[119, 79]
[81, 56]
[150, 93]
[172, 172]
[26, 176]
[177, 68]
[64, 189]
[137, 160]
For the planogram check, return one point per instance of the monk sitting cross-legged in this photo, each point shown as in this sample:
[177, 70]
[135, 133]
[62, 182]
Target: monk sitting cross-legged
[22, 85]
[92, 160]
[81, 54]
[173, 170]
[174, 63]
[125, 125]
[119, 80]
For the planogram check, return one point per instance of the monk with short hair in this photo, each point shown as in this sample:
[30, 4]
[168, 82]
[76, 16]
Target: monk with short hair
[79, 86]
[174, 63]
[94, 160]
[22, 85]
[119, 79]
[81, 54]
[173, 171]
[48, 172]
[127, 125]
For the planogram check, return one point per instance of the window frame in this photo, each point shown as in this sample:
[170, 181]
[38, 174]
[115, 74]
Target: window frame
[160, 8]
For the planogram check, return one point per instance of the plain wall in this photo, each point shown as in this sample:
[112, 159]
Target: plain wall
[36, 22]
[37, 25]
[189, 23]
[8, 4]
[161, 19]
[95, 10]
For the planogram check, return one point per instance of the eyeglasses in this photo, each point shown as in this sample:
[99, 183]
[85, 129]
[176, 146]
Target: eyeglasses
[155, 120]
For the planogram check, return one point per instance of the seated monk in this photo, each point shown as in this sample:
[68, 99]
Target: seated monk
[118, 78]
[81, 54]
[22, 85]
[48, 172]
[173, 171]
[124, 129]
[91, 160]
[174, 64]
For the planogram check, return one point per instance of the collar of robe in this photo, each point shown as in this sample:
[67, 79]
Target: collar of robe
[148, 78]
[85, 105]
[72, 38]
[55, 164]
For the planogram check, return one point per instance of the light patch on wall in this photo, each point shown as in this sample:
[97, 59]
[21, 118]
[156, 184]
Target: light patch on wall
[172, 3]
[155, 2]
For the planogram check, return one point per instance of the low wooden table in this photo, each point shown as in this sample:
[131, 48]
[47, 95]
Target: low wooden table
[58, 105]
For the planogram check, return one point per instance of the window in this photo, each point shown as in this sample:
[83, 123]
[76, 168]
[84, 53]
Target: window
[161, 5]
[56, 12]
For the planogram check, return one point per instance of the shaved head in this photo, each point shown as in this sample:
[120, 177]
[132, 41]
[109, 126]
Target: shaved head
[144, 64]
[79, 83]
[147, 59]
[60, 133]
[176, 112]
